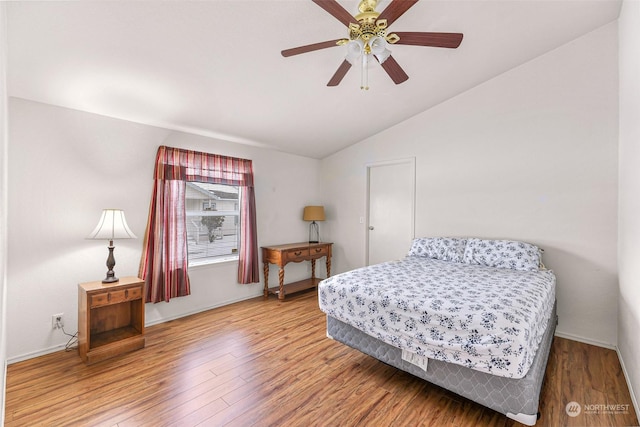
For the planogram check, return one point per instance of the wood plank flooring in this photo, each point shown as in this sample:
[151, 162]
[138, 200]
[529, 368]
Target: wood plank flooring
[269, 363]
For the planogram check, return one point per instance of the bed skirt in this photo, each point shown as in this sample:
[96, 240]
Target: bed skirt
[516, 398]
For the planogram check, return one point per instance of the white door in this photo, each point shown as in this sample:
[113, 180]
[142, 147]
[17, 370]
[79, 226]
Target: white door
[391, 188]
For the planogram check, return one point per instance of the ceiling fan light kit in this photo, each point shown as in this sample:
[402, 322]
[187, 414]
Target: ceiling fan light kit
[368, 37]
[358, 49]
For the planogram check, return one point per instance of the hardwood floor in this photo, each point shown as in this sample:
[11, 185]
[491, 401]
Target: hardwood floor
[269, 363]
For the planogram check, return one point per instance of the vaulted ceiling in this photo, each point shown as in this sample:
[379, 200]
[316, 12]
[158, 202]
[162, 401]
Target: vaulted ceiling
[214, 67]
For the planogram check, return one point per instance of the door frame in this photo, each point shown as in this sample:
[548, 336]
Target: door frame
[411, 163]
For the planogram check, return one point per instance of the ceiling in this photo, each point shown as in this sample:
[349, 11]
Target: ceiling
[214, 67]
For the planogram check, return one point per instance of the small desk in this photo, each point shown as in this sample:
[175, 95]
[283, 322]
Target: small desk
[294, 252]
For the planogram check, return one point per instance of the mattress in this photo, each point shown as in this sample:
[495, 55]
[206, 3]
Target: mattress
[488, 319]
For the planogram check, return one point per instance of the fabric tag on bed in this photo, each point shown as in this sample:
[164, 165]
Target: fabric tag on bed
[415, 359]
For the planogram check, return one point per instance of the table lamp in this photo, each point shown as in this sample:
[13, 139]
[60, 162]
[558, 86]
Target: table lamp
[112, 225]
[313, 214]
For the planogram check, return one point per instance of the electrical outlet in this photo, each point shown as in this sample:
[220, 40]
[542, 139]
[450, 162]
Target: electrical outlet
[57, 321]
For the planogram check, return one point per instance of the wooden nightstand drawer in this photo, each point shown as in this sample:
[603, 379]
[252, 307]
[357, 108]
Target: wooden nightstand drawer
[98, 300]
[296, 255]
[114, 297]
[129, 294]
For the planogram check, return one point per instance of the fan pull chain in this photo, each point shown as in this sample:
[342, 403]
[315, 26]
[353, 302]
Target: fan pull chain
[364, 72]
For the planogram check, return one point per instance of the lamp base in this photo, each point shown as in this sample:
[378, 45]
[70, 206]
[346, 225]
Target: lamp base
[314, 233]
[111, 279]
[111, 262]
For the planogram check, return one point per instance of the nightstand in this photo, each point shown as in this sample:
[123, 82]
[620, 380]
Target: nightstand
[110, 318]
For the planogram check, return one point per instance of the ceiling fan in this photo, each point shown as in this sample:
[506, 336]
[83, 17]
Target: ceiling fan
[368, 37]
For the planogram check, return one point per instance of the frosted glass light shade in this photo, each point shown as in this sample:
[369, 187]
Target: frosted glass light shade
[355, 48]
[112, 225]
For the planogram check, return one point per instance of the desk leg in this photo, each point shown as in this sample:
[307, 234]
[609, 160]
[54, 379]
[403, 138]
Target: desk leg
[328, 266]
[266, 280]
[313, 269]
[281, 277]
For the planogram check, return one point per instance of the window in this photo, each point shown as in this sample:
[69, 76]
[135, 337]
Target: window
[213, 222]
[165, 255]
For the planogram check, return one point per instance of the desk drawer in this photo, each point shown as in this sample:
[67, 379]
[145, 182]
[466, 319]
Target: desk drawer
[297, 255]
[318, 252]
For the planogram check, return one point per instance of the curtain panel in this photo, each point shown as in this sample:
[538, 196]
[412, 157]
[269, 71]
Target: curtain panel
[164, 260]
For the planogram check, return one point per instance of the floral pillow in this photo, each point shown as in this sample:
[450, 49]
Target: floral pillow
[442, 248]
[502, 254]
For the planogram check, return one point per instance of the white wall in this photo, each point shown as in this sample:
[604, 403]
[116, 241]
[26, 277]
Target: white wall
[529, 155]
[3, 206]
[629, 204]
[66, 166]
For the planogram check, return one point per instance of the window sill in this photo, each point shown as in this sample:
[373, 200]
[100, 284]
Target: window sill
[220, 260]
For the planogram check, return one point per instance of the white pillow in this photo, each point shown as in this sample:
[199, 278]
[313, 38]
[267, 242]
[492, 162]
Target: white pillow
[502, 254]
[442, 248]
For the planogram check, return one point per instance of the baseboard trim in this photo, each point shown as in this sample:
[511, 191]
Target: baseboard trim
[58, 347]
[34, 354]
[634, 399]
[200, 310]
[585, 340]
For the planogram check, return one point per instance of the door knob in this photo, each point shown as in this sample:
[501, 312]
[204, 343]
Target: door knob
[371, 227]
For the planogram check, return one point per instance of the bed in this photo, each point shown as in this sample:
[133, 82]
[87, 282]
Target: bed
[474, 316]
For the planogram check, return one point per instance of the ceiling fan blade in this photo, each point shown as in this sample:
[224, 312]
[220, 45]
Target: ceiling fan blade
[395, 9]
[450, 40]
[337, 11]
[340, 73]
[394, 70]
[309, 48]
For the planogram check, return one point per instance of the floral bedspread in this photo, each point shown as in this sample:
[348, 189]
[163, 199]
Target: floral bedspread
[484, 318]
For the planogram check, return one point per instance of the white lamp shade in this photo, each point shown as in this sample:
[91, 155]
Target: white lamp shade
[112, 225]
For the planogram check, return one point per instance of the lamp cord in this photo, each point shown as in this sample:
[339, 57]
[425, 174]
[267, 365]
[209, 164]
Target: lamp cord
[72, 344]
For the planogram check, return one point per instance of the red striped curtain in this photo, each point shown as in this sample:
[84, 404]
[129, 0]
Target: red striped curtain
[164, 258]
